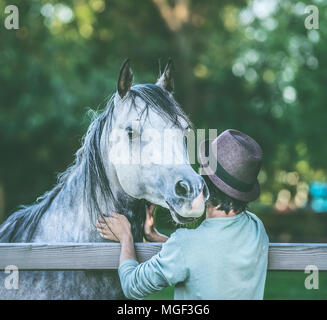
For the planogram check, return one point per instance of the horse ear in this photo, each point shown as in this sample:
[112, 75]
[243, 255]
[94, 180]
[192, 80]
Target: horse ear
[125, 79]
[166, 80]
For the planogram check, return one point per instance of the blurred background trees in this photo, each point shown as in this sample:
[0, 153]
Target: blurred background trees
[248, 65]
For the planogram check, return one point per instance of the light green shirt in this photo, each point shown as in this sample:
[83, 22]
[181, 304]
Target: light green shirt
[224, 258]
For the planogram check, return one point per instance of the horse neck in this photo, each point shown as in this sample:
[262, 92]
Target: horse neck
[69, 220]
[133, 209]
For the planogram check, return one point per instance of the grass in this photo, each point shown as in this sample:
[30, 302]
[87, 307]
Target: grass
[280, 285]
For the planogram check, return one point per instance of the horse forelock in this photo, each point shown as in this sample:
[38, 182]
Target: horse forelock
[161, 102]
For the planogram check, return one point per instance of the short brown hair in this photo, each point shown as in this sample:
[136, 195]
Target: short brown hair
[222, 200]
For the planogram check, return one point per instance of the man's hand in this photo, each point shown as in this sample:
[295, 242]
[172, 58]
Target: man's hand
[149, 220]
[150, 232]
[116, 227]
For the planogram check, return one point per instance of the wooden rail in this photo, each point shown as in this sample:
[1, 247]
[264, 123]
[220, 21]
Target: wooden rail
[82, 256]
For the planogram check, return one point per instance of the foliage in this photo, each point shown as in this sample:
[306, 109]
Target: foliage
[246, 65]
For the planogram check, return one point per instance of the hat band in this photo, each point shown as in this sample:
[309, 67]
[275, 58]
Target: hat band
[232, 181]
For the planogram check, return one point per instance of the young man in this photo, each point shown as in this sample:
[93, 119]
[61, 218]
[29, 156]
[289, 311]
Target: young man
[226, 256]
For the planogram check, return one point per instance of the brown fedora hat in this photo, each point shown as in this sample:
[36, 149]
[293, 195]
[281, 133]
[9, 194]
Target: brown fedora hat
[232, 162]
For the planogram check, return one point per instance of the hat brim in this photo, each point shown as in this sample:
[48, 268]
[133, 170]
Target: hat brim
[220, 184]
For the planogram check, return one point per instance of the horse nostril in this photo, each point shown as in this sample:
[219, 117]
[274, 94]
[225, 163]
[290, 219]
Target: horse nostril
[182, 188]
[205, 191]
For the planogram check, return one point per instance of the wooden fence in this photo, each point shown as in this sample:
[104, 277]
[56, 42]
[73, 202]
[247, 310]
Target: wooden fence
[95, 256]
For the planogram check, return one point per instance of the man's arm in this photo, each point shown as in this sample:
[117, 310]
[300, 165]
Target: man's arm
[127, 249]
[166, 268]
[139, 280]
[118, 228]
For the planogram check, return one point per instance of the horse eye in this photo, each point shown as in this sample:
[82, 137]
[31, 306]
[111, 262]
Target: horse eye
[131, 133]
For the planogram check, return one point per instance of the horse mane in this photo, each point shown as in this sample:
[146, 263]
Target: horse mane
[22, 225]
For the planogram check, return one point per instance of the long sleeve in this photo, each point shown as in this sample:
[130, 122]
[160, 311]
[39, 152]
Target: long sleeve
[166, 268]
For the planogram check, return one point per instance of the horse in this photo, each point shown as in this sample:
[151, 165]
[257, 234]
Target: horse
[96, 183]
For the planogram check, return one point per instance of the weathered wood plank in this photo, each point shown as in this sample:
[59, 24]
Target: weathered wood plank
[297, 256]
[74, 256]
[66, 256]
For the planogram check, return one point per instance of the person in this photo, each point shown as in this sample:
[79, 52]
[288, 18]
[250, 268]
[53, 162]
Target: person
[226, 256]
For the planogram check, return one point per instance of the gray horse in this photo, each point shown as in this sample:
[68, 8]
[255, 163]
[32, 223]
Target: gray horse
[114, 170]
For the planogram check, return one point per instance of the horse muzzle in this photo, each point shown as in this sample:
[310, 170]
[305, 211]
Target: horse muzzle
[188, 202]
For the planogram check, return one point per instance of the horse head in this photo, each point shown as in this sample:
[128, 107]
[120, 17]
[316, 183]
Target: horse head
[146, 147]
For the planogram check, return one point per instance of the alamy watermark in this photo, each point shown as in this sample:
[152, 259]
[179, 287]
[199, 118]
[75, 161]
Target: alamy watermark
[312, 20]
[312, 280]
[11, 21]
[12, 280]
[12, 17]
[162, 147]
